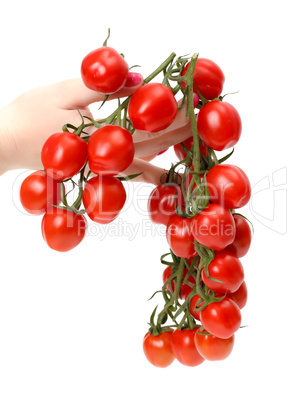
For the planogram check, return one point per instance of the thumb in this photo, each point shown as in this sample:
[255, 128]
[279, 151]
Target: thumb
[75, 95]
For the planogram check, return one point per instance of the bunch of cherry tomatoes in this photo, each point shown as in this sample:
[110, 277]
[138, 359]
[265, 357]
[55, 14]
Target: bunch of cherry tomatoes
[197, 200]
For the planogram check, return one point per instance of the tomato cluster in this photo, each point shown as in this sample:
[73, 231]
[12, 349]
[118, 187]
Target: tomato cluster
[198, 202]
[204, 282]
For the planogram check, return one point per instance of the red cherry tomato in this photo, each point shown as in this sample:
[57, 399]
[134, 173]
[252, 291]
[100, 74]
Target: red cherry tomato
[184, 348]
[103, 198]
[208, 78]
[39, 192]
[104, 70]
[219, 125]
[161, 202]
[63, 230]
[63, 155]
[214, 227]
[228, 185]
[240, 296]
[196, 302]
[221, 319]
[188, 144]
[227, 268]
[184, 288]
[152, 107]
[158, 350]
[180, 238]
[241, 243]
[211, 347]
[110, 150]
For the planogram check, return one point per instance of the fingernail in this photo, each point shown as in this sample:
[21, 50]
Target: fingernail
[133, 79]
[196, 99]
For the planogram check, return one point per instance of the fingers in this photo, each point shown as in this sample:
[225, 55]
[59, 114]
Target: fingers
[73, 94]
[158, 144]
[150, 173]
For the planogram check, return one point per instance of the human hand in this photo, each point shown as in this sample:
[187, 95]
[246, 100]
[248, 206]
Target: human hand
[29, 120]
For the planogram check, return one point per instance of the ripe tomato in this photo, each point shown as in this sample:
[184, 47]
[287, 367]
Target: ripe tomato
[227, 268]
[188, 144]
[221, 319]
[110, 150]
[219, 125]
[184, 288]
[184, 348]
[208, 78]
[104, 70]
[228, 185]
[214, 227]
[196, 302]
[241, 243]
[161, 202]
[240, 296]
[103, 198]
[180, 238]
[63, 155]
[212, 347]
[158, 350]
[152, 107]
[63, 230]
[38, 191]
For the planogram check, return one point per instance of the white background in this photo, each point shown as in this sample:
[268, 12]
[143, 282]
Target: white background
[72, 324]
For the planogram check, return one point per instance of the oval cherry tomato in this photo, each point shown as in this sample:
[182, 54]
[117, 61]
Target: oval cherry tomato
[158, 350]
[184, 348]
[63, 155]
[110, 150]
[63, 230]
[161, 202]
[180, 238]
[219, 125]
[188, 144]
[208, 78]
[103, 198]
[227, 268]
[240, 296]
[211, 347]
[221, 319]
[104, 70]
[214, 227]
[39, 192]
[241, 243]
[184, 288]
[152, 107]
[196, 302]
[228, 185]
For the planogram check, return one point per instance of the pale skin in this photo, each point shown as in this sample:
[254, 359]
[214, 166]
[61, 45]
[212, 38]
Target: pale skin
[27, 122]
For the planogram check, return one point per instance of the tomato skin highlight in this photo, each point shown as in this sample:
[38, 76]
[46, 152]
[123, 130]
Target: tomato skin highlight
[227, 268]
[110, 150]
[63, 155]
[103, 198]
[104, 70]
[242, 241]
[161, 202]
[219, 125]
[228, 185]
[213, 348]
[240, 296]
[184, 349]
[63, 230]
[38, 191]
[180, 238]
[214, 227]
[221, 319]
[152, 107]
[158, 350]
[208, 78]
